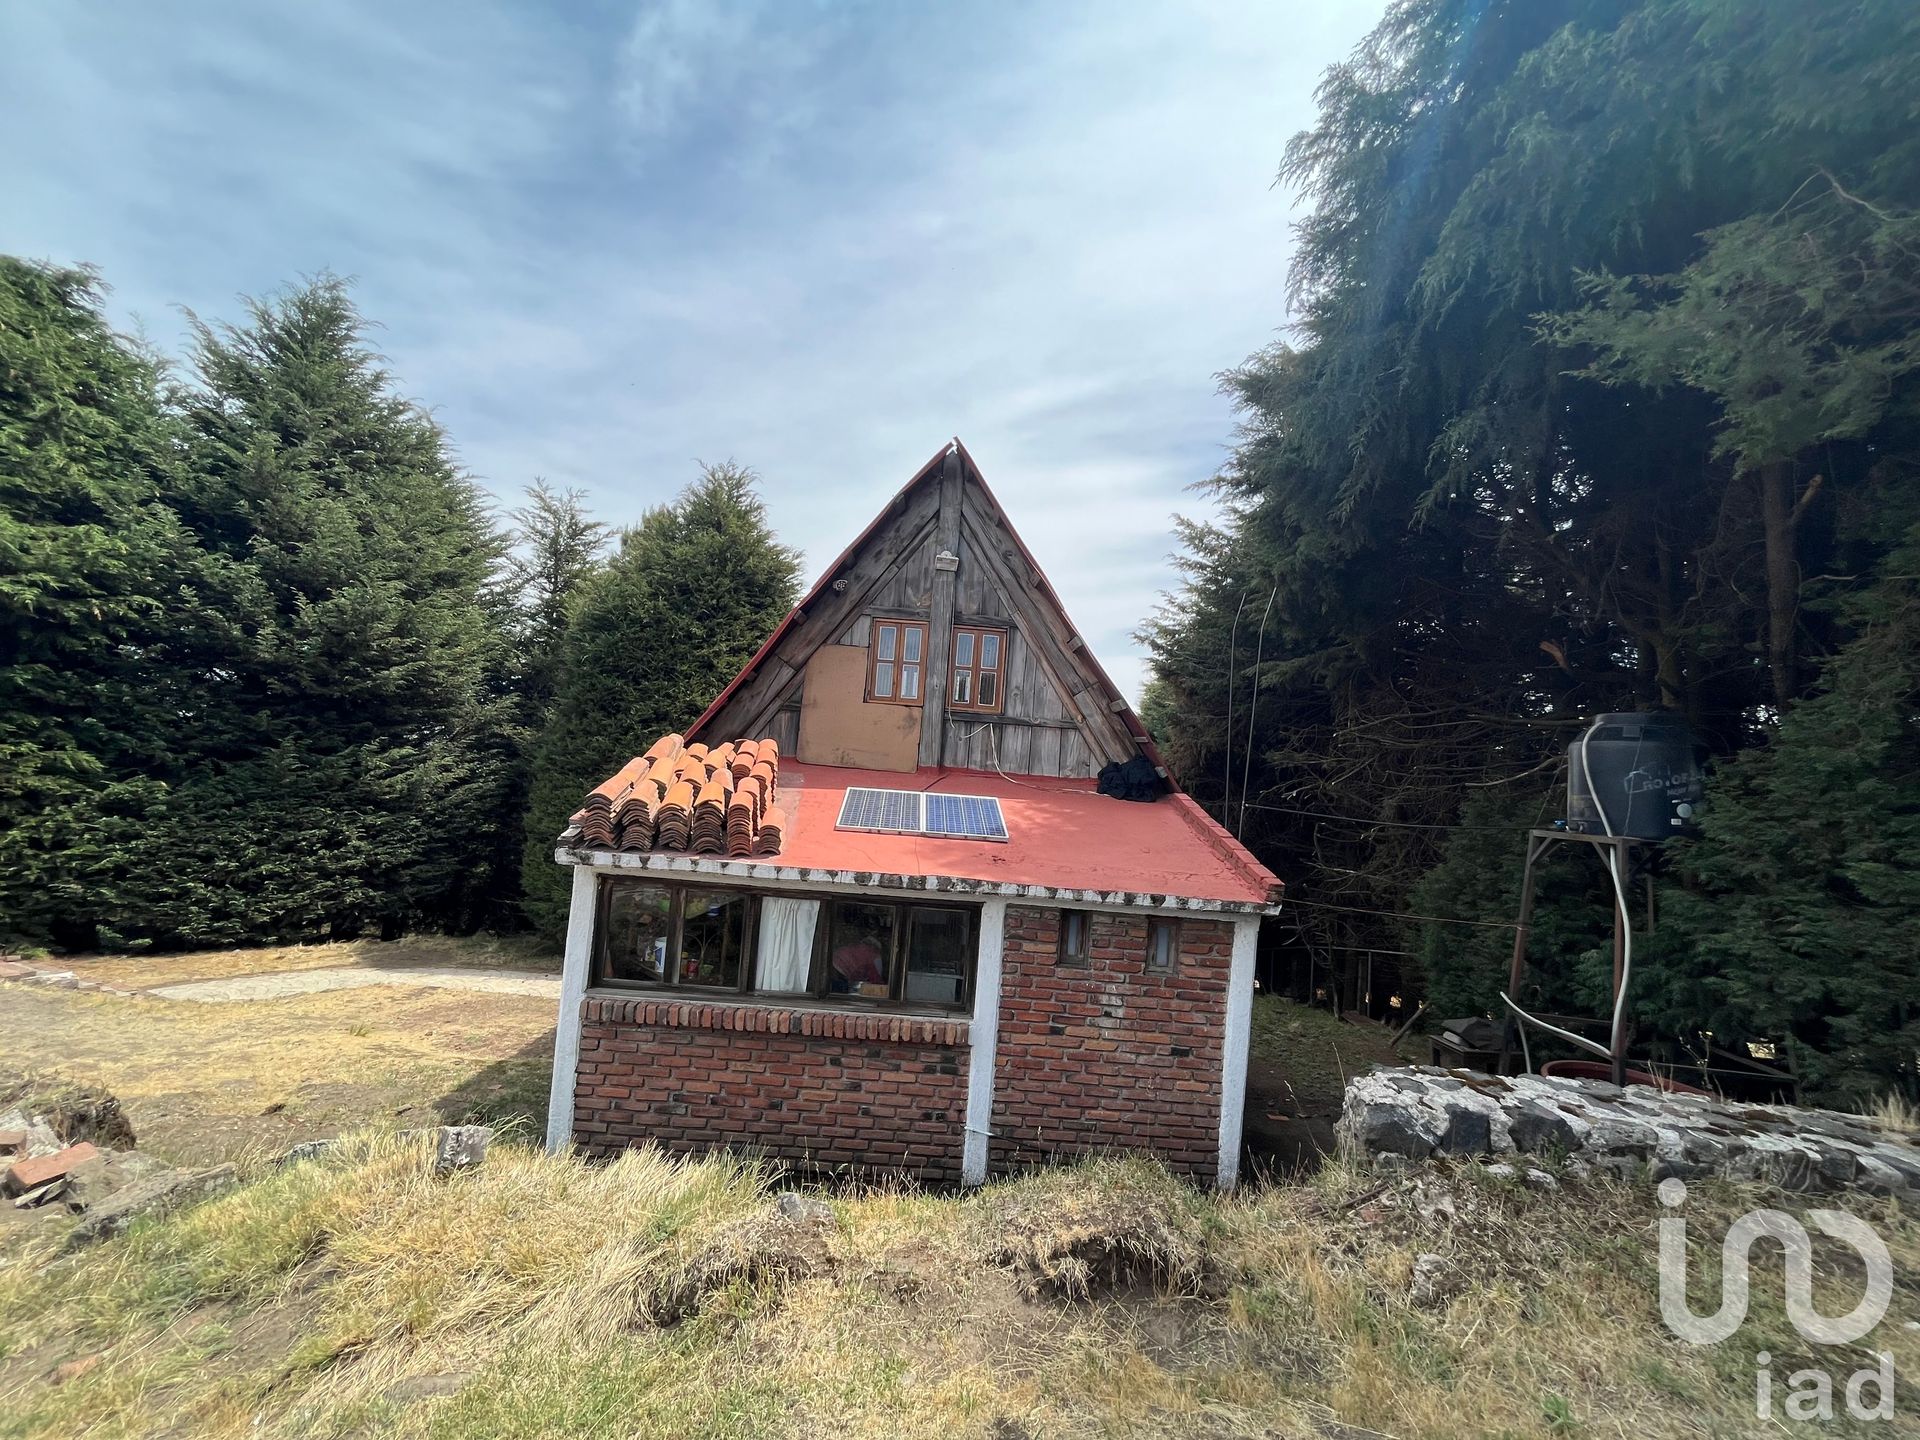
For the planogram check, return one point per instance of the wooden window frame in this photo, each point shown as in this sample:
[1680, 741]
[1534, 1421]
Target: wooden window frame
[901, 629]
[819, 978]
[676, 933]
[970, 672]
[1068, 956]
[820, 983]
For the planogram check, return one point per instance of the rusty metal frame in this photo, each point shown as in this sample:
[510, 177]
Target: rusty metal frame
[1539, 843]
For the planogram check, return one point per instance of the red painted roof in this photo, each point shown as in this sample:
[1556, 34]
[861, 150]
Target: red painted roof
[1061, 834]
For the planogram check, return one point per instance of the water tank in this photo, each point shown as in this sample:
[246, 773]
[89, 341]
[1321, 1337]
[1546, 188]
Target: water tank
[1644, 768]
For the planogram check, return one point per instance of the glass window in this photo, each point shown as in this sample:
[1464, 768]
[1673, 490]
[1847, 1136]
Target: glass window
[1163, 944]
[1075, 928]
[713, 937]
[634, 937]
[937, 952]
[977, 656]
[860, 950]
[896, 661]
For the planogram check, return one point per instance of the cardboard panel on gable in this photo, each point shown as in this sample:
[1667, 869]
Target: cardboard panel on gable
[838, 726]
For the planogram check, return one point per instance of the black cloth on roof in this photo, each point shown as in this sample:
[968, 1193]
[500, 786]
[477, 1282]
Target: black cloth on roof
[1135, 780]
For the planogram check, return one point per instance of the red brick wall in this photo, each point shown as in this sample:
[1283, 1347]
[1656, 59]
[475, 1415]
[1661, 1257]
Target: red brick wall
[1108, 1055]
[812, 1087]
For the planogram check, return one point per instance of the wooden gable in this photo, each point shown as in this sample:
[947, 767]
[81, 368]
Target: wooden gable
[812, 684]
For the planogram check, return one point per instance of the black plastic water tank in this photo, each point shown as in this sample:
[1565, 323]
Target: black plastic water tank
[1645, 769]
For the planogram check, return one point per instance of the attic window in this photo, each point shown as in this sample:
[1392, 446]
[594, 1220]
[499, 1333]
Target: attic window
[896, 659]
[913, 812]
[979, 665]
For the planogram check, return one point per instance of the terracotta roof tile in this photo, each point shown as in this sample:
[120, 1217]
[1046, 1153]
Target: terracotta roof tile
[706, 800]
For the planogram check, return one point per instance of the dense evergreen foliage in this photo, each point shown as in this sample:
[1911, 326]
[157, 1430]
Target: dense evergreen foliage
[693, 591]
[1603, 363]
[268, 668]
[92, 561]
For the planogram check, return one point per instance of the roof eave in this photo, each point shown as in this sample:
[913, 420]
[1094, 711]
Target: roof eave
[772, 869]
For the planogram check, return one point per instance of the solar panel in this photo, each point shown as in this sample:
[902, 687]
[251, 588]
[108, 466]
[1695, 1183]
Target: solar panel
[895, 810]
[965, 817]
[910, 812]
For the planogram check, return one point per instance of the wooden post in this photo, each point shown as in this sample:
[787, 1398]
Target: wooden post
[946, 541]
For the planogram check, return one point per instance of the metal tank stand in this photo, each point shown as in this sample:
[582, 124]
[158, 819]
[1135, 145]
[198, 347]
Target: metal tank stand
[1539, 843]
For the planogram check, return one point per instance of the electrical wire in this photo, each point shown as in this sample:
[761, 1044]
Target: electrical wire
[1253, 712]
[1233, 661]
[1357, 820]
[1400, 914]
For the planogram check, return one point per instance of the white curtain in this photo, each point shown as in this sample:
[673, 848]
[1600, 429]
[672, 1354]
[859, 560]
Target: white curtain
[786, 944]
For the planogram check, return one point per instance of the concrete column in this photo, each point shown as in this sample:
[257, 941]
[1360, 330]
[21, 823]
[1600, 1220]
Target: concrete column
[1233, 1069]
[984, 1040]
[576, 967]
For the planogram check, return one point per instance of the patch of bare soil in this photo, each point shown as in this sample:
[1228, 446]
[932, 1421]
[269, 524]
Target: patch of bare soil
[1076, 1244]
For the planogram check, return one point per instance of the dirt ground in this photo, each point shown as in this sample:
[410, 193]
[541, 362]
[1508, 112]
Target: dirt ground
[1299, 1061]
[204, 1082]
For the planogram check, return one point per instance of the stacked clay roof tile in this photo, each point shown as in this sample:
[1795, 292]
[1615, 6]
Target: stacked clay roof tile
[684, 797]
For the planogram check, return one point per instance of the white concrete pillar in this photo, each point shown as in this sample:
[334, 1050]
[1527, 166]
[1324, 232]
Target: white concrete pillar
[984, 1038]
[1233, 1068]
[576, 967]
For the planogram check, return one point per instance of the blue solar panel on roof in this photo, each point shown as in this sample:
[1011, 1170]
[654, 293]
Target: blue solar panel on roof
[894, 810]
[965, 817]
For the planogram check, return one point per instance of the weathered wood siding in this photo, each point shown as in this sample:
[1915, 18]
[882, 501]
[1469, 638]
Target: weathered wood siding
[1056, 718]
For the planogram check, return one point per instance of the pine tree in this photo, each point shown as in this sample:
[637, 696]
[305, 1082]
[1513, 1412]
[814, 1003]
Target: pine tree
[692, 592]
[88, 556]
[556, 550]
[1800, 922]
[340, 772]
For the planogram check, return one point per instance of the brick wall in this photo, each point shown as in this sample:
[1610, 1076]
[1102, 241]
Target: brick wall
[1109, 1055]
[813, 1087]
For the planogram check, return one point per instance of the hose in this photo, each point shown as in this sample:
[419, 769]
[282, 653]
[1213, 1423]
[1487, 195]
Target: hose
[1619, 893]
[1626, 955]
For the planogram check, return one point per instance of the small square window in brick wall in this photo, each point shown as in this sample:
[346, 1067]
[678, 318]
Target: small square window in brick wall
[1110, 1056]
[810, 1088]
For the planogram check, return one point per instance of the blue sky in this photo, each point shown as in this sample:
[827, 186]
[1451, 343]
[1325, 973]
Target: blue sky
[603, 241]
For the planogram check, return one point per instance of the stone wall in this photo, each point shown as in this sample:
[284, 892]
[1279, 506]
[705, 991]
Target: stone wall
[1403, 1116]
[812, 1087]
[1109, 1054]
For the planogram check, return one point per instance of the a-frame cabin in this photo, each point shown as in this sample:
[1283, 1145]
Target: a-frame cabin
[915, 892]
[942, 570]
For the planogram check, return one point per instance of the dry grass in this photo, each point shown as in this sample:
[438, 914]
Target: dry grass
[143, 972]
[1895, 1114]
[359, 1295]
[206, 1082]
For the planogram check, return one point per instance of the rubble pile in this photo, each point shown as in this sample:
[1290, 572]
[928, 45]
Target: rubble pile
[73, 1154]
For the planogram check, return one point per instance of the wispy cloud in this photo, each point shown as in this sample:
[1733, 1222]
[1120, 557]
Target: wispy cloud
[817, 239]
